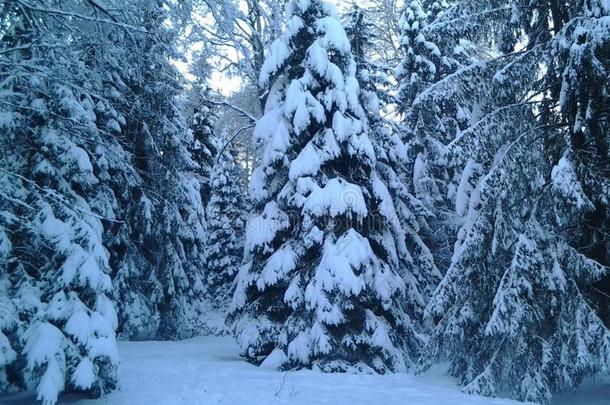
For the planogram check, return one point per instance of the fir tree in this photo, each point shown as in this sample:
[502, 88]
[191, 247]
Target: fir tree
[55, 288]
[161, 285]
[522, 308]
[320, 284]
[226, 221]
[422, 63]
[415, 259]
[128, 233]
[203, 150]
[430, 125]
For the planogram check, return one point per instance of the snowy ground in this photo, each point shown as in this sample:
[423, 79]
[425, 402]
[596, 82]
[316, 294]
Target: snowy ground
[207, 370]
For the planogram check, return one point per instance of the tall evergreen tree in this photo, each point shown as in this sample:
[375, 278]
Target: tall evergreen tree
[203, 149]
[226, 223]
[202, 115]
[320, 284]
[135, 283]
[78, 205]
[428, 55]
[415, 259]
[160, 279]
[522, 308]
[59, 330]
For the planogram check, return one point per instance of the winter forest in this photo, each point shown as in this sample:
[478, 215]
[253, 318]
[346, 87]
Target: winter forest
[304, 201]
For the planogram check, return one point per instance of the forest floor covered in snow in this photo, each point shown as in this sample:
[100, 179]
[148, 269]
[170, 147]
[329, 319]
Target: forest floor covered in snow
[208, 370]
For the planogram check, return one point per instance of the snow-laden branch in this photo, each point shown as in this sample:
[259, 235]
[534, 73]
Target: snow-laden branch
[64, 13]
[58, 198]
[241, 111]
[442, 23]
[235, 135]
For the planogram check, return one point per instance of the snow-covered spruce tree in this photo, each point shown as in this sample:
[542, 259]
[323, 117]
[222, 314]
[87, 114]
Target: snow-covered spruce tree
[202, 116]
[523, 309]
[125, 205]
[422, 62]
[59, 330]
[161, 286]
[415, 259]
[320, 284]
[427, 57]
[430, 51]
[10, 327]
[225, 215]
[203, 149]
[458, 34]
